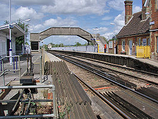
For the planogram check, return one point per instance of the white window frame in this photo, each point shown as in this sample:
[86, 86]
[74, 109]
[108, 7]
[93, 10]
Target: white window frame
[123, 45]
[110, 44]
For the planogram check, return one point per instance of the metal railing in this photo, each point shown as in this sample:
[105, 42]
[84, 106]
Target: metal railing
[54, 114]
[143, 51]
[15, 64]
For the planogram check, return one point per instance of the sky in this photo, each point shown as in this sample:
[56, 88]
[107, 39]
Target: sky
[105, 17]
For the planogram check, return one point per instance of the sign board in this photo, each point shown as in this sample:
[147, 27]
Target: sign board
[152, 23]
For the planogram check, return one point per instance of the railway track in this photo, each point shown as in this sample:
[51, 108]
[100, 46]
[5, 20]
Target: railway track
[102, 74]
[122, 83]
[127, 110]
[118, 69]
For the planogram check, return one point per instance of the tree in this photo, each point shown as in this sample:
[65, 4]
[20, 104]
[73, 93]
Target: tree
[53, 45]
[78, 44]
[45, 47]
[6, 22]
[61, 45]
[20, 40]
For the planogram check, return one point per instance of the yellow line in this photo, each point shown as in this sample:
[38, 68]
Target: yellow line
[46, 57]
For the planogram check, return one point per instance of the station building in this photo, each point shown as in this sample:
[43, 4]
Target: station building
[4, 38]
[141, 28]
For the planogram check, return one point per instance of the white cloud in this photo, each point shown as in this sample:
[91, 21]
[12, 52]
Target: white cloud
[137, 9]
[4, 12]
[28, 2]
[116, 4]
[58, 22]
[108, 35]
[81, 7]
[25, 13]
[107, 18]
[118, 24]
[100, 30]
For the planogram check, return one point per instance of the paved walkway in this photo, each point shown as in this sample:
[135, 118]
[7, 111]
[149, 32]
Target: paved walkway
[148, 61]
[15, 75]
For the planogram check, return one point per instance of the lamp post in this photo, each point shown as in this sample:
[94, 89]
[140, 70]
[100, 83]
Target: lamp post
[10, 34]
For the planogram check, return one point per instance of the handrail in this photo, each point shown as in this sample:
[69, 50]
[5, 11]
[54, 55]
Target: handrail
[15, 66]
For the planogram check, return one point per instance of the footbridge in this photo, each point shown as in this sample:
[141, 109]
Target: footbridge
[35, 38]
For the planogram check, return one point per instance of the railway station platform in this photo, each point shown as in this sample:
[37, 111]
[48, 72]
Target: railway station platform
[124, 60]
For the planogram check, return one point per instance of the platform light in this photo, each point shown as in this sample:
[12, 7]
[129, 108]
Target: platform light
[10, 34]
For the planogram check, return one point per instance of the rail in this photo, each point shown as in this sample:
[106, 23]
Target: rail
[103, 98]
[100, 73]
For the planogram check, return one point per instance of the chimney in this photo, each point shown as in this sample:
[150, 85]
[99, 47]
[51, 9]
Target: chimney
[128, 10]
[145, 9]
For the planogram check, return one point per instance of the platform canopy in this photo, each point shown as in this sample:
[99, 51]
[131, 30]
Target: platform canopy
[16, 29]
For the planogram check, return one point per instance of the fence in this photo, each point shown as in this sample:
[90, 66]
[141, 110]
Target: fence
[143, 51]
[15, 65]
[88, 48]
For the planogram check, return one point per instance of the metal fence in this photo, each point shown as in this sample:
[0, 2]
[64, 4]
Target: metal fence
[15, 66]
[143, 51]
[89, 48]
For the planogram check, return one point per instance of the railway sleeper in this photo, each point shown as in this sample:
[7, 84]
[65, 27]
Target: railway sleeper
[118, 106]
[134, 110]
[80, 90]
[149, 91]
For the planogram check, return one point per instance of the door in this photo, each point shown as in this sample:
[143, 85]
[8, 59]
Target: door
[130, 47]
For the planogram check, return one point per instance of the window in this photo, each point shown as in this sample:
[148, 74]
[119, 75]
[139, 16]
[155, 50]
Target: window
[123, 45]
[144, 42]
[110, 44]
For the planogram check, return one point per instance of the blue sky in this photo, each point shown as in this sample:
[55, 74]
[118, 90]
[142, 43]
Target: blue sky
[105, 17]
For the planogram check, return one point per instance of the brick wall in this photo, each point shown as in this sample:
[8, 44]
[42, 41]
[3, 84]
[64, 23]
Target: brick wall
[135, 40]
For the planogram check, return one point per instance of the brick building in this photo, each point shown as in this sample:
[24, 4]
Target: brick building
[140, 28]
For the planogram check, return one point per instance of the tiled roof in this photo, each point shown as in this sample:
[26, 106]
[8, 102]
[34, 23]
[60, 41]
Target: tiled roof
[136, 26]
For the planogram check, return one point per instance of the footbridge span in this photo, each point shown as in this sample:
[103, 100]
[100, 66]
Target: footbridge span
[35, 38]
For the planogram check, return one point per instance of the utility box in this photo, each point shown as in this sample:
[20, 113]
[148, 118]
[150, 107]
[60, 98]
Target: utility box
[27, 80]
